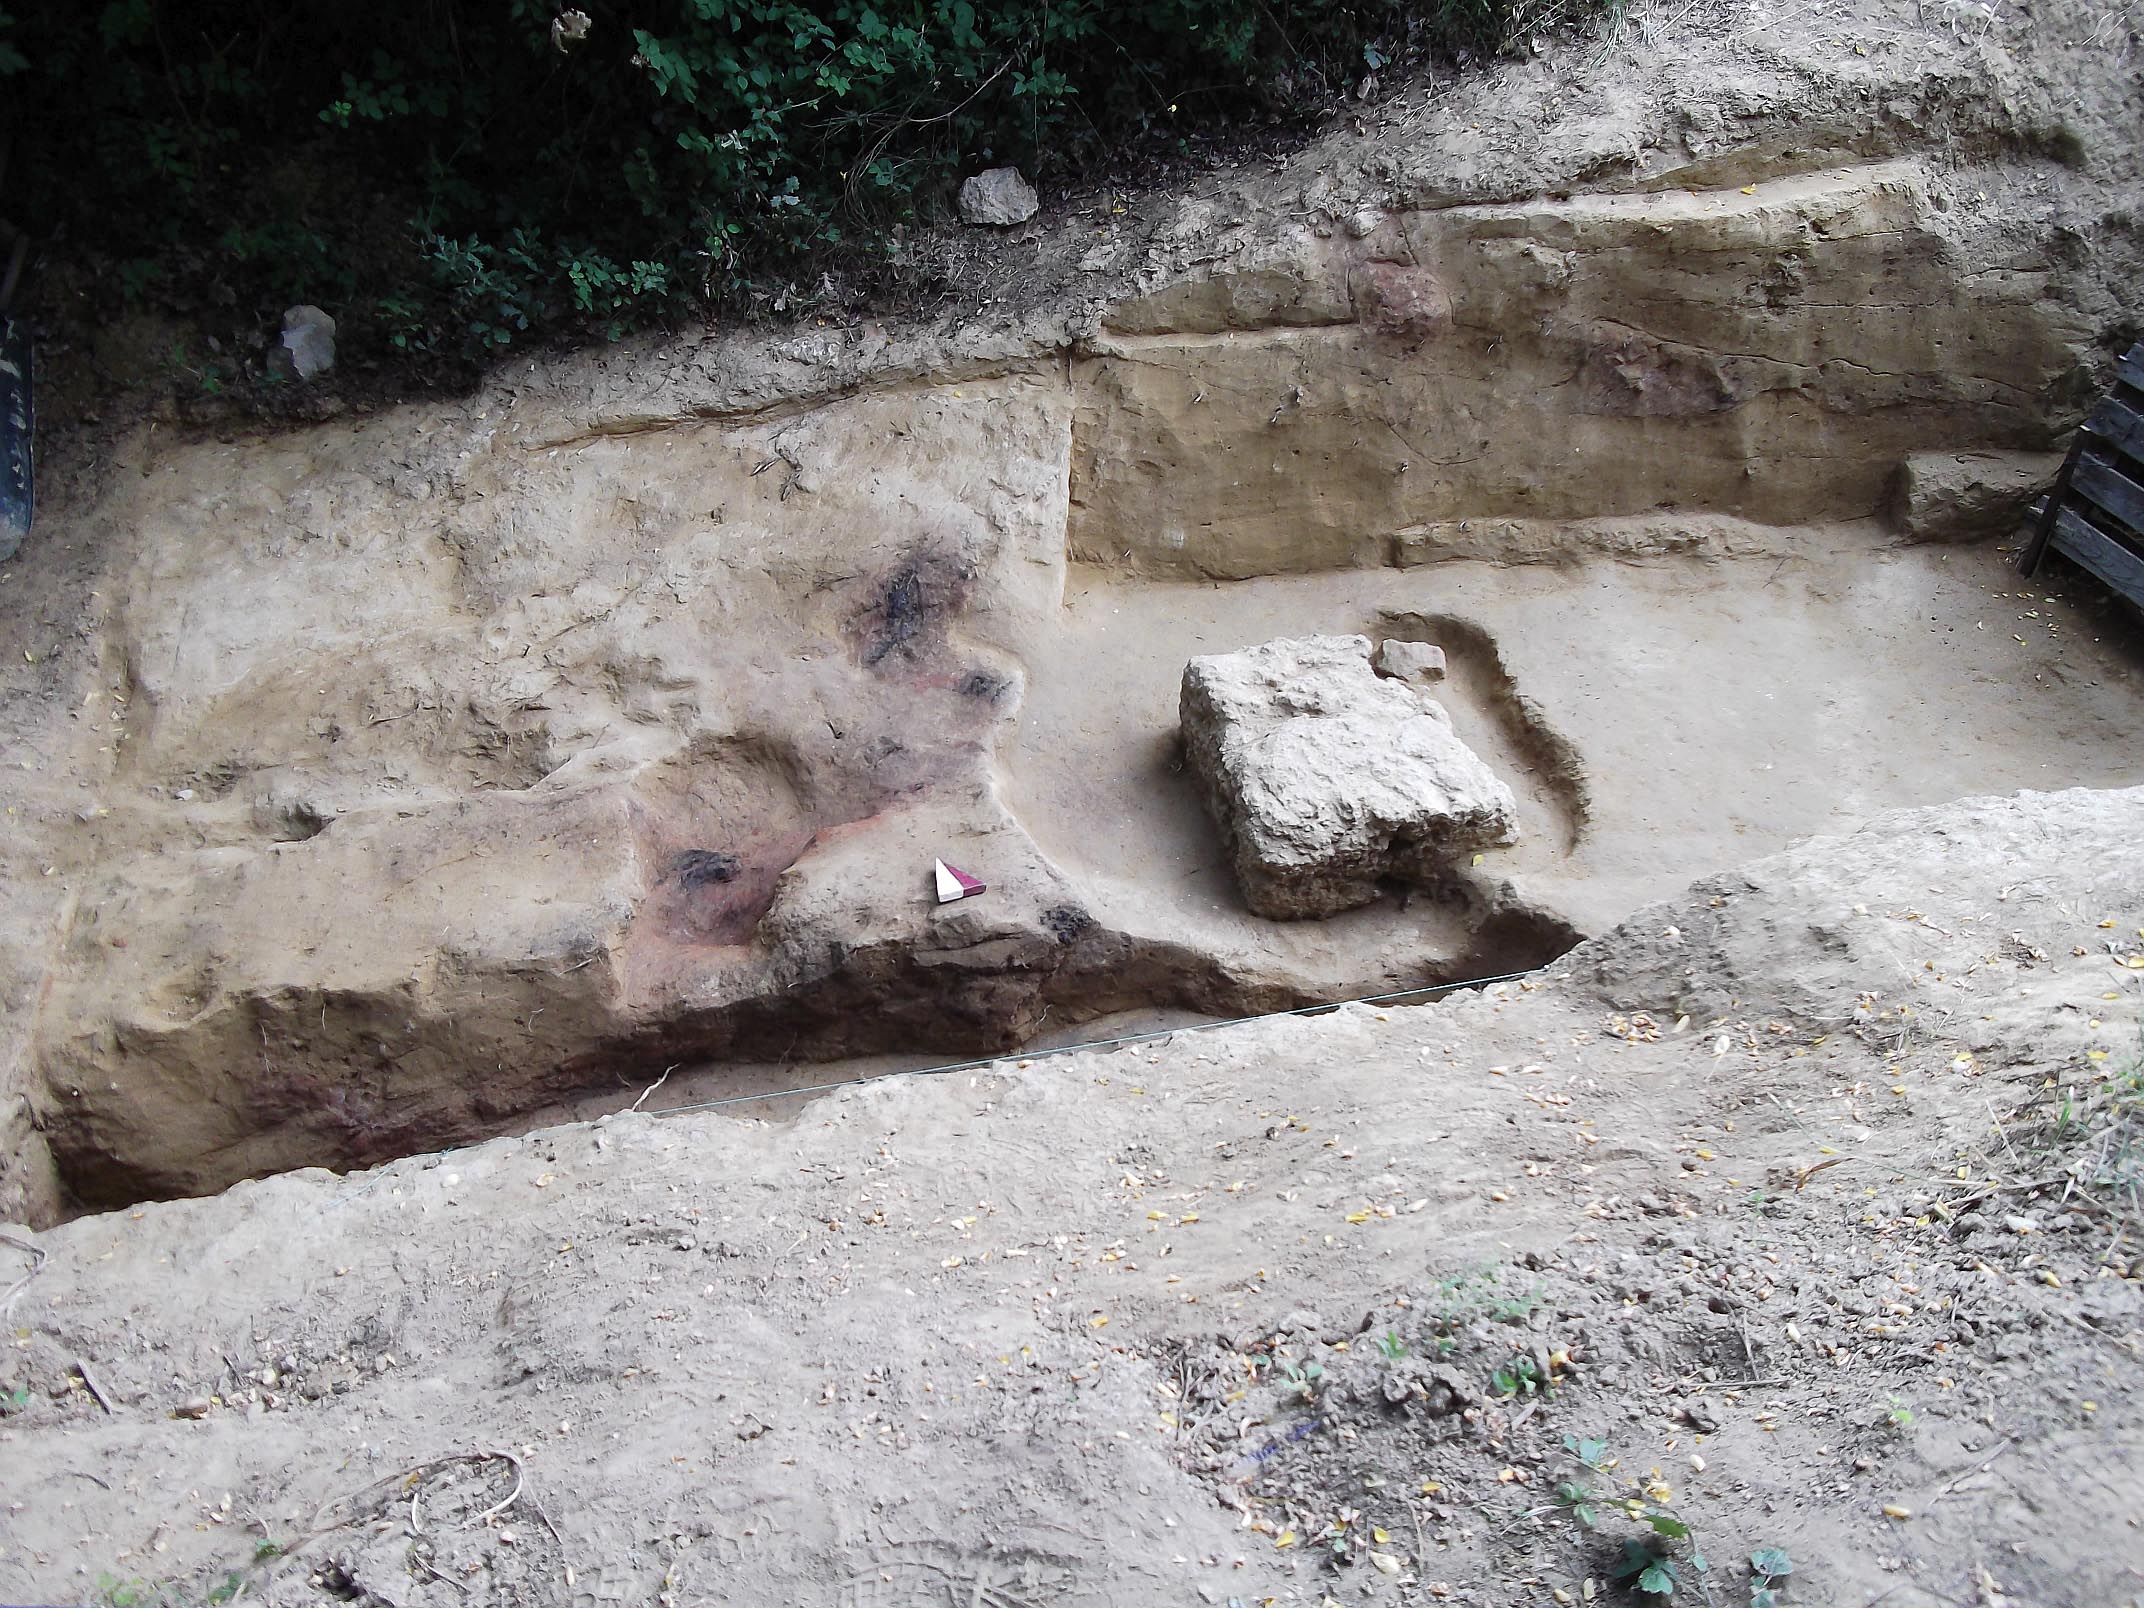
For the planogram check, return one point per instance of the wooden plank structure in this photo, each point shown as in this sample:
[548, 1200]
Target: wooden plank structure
[18, 417]
[2095, 515]
[18, 426]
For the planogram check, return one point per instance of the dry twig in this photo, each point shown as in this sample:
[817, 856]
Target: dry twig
[42, 1256]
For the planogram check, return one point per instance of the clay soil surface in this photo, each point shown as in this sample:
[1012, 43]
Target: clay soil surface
[1809, 1196]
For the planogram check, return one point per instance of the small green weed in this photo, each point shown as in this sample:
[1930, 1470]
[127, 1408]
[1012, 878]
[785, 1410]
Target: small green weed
[1521, 1376]
[1305, 1380]
[119, 1593]
[1768, 1571]
[1899, 1416]
[2094, 1127]
[1457, 1301]
[1390, 1346]
[138, 1593]
[1662, 1557]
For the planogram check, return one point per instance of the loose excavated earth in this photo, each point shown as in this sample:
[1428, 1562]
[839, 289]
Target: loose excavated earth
[1804, 1192]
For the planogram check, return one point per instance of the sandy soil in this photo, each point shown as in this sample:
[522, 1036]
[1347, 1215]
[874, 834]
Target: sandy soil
[1840, 675]
[1865, 675]
[1304, 1314]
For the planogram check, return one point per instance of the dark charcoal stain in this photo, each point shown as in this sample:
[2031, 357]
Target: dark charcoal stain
[696, 868]
[1067, 923]
[298, 822]
[899, 616]
[904, 611]
[982, 684]
[710, 897]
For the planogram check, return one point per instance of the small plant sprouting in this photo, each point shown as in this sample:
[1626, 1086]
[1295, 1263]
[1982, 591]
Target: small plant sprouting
[1652, 1563]
[137, 1593]
[1304, 1380]
[2065, 1114]
[1465, 1297]
[1520, 1376]
[1768, 1571]
[1899, 1416]
[1390, 1346]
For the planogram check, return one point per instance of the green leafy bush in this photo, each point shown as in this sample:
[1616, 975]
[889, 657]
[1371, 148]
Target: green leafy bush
[454, 178]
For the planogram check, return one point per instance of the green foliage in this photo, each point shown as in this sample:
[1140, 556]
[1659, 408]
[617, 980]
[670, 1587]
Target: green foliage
[1486, 1292]
[1520, 1376]
[1651, 1563]
[1647, 1568]
[1390, 1346]
[450, 179]
[1304, 1380]
[1768, 1571]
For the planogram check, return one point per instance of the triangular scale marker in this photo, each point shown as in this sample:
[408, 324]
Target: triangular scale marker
[954, 884]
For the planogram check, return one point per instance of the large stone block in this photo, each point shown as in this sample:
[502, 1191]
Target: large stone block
[1326, 778]
[1961, 496]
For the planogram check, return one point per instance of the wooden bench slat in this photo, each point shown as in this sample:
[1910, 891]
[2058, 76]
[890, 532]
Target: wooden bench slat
[2107, 488]
[2102, 555]
[2119, 425]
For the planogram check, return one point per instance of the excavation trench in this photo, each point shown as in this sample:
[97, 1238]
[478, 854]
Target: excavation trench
[450, 773]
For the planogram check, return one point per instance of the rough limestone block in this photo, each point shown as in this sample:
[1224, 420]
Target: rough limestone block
[1421, 662]
[1960, 496]
[1326, 778]
[999, 197]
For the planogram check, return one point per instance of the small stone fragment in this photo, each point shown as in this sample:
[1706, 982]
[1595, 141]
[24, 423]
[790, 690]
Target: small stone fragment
[998, 198]
[308, 346]
[568, 29]
[192, 1407]
[1421, 662]
[1700, 1415]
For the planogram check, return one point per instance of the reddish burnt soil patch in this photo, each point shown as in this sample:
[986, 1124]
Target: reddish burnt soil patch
[717, 896]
